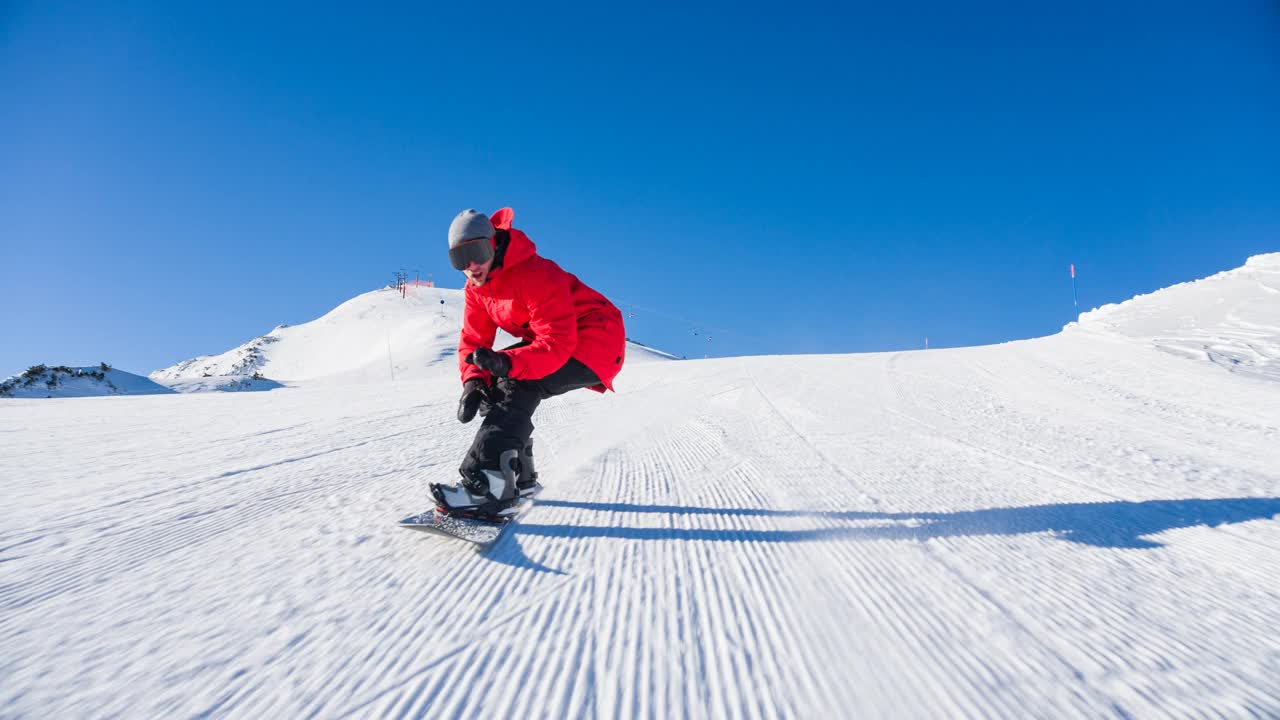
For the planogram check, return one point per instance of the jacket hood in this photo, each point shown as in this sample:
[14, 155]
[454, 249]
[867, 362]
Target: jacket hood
[520, 247]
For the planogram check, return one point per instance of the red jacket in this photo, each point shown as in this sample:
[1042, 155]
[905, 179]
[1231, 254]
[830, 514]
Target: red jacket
[531, 298]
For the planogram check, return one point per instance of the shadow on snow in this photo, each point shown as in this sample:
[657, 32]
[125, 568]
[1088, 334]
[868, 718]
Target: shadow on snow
[1105, 524]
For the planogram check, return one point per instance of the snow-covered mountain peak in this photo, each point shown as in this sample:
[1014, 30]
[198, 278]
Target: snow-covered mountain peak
[376, 336]
[60, 381]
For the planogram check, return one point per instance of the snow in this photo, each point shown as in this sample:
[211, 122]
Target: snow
[1083, 525]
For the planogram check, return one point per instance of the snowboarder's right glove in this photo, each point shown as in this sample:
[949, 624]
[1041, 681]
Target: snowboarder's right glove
[497, 363]
[473, 393]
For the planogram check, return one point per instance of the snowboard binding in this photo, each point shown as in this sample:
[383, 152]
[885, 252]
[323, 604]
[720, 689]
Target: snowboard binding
[493, 495]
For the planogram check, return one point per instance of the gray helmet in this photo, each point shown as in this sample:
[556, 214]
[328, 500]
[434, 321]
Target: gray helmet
[470, 239]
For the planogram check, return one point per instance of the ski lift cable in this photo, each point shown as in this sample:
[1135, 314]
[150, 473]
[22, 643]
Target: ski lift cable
[695, 325]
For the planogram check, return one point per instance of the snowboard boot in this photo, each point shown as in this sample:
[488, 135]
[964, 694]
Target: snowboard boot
[527, 484]
[485, 494]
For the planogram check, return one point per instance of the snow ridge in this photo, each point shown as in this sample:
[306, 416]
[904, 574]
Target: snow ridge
[1231, 319]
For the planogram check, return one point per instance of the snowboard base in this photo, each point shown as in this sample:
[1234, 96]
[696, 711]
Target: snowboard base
[479, 532]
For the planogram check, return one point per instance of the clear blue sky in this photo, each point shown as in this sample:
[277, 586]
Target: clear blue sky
[177, 178]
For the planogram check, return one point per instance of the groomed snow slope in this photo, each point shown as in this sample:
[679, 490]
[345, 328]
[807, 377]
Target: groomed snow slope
[1074, 526]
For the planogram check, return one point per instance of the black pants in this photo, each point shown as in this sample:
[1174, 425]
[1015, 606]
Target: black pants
[508, 413]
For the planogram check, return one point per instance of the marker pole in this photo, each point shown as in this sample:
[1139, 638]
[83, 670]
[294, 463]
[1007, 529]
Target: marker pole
[1075, 297]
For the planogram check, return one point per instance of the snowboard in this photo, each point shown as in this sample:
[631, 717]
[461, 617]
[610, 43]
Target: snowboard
[479, 532]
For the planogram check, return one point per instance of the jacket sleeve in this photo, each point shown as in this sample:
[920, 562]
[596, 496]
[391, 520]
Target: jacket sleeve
[554, 323]
[478, 330]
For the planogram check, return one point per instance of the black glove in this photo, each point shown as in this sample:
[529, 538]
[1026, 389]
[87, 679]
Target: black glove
[498, 364]
[473, 393]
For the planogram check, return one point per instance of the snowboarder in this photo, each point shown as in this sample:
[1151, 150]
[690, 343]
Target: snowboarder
[572, 337]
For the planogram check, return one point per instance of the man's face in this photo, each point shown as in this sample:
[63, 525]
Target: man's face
[478, 273]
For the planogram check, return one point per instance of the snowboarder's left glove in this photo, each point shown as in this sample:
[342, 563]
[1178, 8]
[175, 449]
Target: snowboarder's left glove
[473, 396]
[498, 364]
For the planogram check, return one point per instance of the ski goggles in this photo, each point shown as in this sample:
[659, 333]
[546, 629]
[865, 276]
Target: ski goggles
[478, 250]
